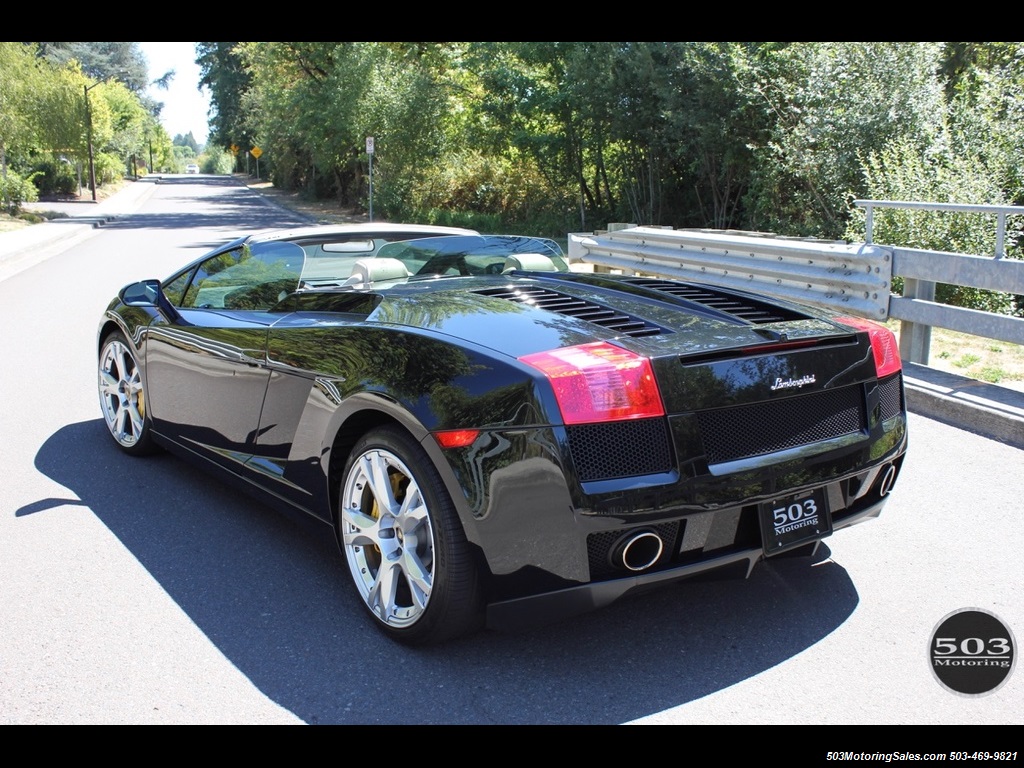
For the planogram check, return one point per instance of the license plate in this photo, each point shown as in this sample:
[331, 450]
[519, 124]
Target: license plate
[790, 521]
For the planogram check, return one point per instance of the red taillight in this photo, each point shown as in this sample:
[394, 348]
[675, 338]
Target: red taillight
[883, 344]
[599, 382]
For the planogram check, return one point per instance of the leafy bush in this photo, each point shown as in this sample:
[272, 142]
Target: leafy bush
[54, 178]
[448, 217]
[15, 190]
[490, 195]
[217, 162]
[109, 168]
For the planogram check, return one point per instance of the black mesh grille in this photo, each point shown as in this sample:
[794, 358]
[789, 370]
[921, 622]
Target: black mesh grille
[890, 396]
[563, 304]
[620, 449]
[736, 305]
[730, 434]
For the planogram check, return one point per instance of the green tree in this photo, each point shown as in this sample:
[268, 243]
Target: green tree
[188, 140]
[986, 113]
[527, 115]
[712, 122]
[834, 103]
[131, 127]
[20, 77]
[643, 130]
[314, 104]
[64, 100]
[228, 80]
[770, 136]
[975, 159]
[124, 61]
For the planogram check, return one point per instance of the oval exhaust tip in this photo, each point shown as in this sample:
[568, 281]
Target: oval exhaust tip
[888, 480]
[638, 551]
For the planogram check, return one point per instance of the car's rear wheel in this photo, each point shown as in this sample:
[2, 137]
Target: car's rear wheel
[405, 547]
[122, 396]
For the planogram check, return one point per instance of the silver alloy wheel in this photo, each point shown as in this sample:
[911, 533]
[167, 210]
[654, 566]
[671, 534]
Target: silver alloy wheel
[122, 399]
[387, 536]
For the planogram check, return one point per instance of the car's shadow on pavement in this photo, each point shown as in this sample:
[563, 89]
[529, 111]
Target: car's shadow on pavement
[273, 594]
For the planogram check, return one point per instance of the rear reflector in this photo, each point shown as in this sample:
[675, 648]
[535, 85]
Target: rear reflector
[456, 438]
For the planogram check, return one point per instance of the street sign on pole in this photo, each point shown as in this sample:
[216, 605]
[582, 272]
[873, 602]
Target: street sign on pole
[256, 152]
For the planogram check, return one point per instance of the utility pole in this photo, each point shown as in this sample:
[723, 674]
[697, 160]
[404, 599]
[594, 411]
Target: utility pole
[88, 121]
[88, 128]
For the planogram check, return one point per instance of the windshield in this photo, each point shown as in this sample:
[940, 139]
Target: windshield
[476, 255]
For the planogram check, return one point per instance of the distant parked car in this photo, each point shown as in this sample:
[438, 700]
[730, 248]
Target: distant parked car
[191, 168]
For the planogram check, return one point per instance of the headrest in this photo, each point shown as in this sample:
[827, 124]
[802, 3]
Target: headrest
[375, 270]
[529, 262]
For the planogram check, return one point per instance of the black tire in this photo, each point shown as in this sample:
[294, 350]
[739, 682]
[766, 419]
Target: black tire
[408, 555]
[123, 397]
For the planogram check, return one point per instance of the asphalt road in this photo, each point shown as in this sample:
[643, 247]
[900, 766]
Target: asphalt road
[141, 591]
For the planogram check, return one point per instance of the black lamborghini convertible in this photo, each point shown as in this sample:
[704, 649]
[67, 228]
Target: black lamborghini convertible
[494, 438]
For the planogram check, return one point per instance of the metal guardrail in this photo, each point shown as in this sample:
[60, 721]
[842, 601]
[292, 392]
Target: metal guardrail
[855, 278]
[849, 277]
[923, 270]
[999, 211]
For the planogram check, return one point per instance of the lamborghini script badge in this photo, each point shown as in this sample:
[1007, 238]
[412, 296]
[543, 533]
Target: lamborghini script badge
[793, 383]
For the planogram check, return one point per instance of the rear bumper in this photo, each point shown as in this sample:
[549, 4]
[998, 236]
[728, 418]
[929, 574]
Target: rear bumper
[536, 610]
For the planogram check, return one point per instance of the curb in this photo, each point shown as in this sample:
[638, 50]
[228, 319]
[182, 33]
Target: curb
[974, 406]
[33, 245]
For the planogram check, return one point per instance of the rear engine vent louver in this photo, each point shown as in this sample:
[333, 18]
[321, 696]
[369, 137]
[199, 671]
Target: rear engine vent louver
[563, 304]
[741, 307]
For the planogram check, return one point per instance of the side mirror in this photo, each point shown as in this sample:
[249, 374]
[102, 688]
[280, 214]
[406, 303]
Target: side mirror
[142, 294]
[149, 293]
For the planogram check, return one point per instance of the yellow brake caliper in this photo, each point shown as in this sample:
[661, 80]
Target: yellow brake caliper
[397, 490]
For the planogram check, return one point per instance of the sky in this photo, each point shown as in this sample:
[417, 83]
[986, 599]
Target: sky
[185, 106]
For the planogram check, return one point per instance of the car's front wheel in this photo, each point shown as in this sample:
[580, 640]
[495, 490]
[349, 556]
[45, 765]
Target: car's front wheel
[404, 544]
[122, 396]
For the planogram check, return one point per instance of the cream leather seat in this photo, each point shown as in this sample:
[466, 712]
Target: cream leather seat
[529, 262]
[369, 271]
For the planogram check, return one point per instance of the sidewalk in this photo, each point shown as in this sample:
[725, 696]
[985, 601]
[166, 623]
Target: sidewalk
[28, 246]
[990, 410]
